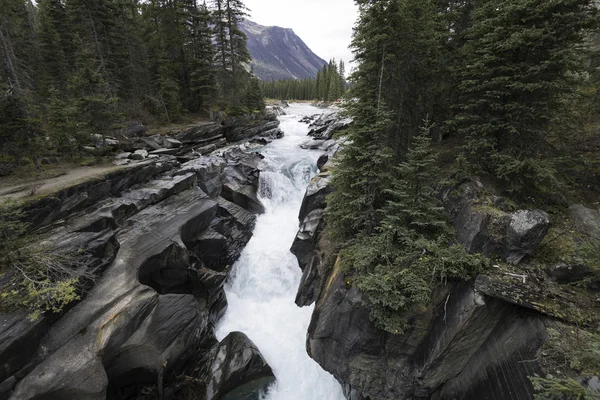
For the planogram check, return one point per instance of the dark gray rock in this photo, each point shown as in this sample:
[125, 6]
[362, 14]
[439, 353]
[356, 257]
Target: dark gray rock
[243, 195]
[238, 370]
[316, 195]
[219, 247]
[139, 155]
[19, 338]
[135, 129]
[322, 161]
[79, 197]
[305, 243]
[171, 143]
[564, 273]
[164, 152]
[201, 134]
[494, 232]
[451, 349]
[176, 325]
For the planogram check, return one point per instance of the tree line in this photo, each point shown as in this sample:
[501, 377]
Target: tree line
[73, 67]
[506, 88]
[329, 85]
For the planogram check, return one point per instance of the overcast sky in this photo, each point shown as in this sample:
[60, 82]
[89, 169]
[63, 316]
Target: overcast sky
[324, 25]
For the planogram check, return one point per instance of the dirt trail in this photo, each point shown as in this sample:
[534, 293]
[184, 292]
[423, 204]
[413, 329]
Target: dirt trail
[50, 185]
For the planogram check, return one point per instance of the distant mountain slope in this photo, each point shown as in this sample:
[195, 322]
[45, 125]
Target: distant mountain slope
[278, 53]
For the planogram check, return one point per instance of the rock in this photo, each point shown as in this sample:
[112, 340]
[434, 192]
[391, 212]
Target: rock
[135, 129]
[201, 133]
[176, 325]
[494, 232]
[236, 134]
[305, 243]
[123, 156]
[93, 331]
[19, 338]
[526, 230]
[162, 152]
[446, 352]
[171, 143]
[80, 375]
[316, 195]
[564, 273]
[111, 142]
[322, 161]
[238, 370]
[587, 219]
[138, 155]
[6, 387]
[326, 125]
[152, 142]
[242, 195]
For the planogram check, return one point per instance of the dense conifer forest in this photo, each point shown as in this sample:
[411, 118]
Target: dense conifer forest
[329, 85]
[72, 68]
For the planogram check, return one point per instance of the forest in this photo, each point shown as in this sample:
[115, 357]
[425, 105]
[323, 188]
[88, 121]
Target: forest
[505, 92]
[72, 68]
[329, 85]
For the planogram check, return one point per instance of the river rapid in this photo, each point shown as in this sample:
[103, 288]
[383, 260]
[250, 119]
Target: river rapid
[263, 283]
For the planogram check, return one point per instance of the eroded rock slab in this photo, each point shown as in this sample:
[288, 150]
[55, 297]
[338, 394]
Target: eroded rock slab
[238, 370]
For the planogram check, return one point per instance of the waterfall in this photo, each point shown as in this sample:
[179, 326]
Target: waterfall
[263, 283]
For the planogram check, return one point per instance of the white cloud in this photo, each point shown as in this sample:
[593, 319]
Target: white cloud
[324, 25]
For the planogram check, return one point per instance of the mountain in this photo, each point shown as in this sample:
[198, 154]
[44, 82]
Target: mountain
[278, 53]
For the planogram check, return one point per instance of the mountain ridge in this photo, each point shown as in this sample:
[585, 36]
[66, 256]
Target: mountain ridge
[278, 53]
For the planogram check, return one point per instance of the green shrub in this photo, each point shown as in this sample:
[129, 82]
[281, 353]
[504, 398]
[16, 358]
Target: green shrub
[40, 279]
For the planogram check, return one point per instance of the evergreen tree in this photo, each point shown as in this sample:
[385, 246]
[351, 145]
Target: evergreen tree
[394, 264]
[201, 54]
[52, 33]
[520, 57]
[253, 98]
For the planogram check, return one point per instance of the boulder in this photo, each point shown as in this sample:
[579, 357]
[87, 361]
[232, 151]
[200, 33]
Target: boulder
[492, 231]
[238, 370]
[171, 143]
[563, 273]
[220, 246]
[135, 129]
[243, 195]
[525, 231]
[322, 161]
[139, 155]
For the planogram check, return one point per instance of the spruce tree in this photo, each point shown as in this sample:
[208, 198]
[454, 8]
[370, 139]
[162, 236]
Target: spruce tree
[201, 53]
[53, 38]
[519, 60]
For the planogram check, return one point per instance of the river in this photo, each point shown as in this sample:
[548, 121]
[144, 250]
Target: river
[263, 283]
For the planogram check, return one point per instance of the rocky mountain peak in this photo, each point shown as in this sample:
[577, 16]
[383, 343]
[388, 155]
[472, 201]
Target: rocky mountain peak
[278, 53]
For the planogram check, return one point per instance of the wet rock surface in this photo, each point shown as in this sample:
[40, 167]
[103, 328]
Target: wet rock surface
[238, 371]
[159, 236]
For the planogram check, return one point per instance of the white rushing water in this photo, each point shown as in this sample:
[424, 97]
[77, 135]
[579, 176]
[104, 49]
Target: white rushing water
[263, 284]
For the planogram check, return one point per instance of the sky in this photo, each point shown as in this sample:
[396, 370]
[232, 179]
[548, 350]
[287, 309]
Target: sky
[324, 25]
